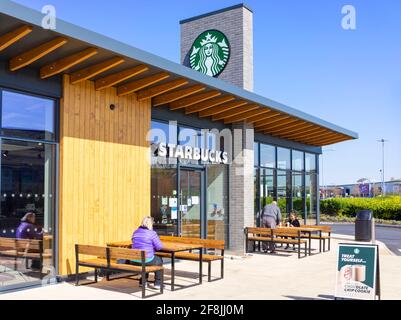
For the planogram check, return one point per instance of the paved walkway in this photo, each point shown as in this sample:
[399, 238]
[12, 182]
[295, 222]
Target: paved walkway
[258, 276]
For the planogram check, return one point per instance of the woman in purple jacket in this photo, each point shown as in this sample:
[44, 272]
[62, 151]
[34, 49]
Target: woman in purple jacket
[144, 238]
[27, 229]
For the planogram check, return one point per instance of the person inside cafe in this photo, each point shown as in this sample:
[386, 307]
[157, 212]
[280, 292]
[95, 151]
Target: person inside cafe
[145, 238]
[28, 229]
[271, 217]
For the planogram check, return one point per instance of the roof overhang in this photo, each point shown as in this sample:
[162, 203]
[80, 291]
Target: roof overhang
[86, 55]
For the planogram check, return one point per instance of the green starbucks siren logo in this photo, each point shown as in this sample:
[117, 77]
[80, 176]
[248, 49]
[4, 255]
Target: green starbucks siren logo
[210, 53]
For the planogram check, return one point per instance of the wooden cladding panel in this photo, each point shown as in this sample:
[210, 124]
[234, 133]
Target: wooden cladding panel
[104, 168]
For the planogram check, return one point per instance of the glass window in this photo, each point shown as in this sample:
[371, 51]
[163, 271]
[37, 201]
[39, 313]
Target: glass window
[284, 192]
[164, 200]
[311, 198]
[256, 154]
[162, 132]
[297, 160]
[310, 162]
[283, 158]
[217, 201]
[27, 208]
[267, 156]
[27, 116]
[297, 195]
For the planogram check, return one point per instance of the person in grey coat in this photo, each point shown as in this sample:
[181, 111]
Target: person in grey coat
[271, 217]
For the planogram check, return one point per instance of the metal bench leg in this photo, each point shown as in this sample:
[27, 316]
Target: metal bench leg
[209, 278]
[320, 245]
[95, 274]
[306, 249]
[329, 244]
[299, 250]
[143, 283]
[324, 245]
[222, 268]
[162, 284]
[76, 274]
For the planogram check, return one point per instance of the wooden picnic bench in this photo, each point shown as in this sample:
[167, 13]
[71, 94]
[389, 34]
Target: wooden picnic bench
[207, 244]
[279, 235]
[23, 249]
[106, 258]
[320, 236]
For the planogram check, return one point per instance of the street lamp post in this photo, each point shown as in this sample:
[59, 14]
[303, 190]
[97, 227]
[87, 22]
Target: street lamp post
[382, 141]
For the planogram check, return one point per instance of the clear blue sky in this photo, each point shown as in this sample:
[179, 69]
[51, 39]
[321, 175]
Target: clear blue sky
[303, 58]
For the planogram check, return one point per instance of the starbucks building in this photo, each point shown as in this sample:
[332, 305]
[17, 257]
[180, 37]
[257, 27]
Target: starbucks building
[96, 134]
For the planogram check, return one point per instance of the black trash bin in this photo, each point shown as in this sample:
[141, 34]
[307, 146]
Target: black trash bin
[363, 225]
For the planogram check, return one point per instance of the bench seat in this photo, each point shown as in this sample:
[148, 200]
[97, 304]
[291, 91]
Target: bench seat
[191, 256]
[280, 240]
[130, 267]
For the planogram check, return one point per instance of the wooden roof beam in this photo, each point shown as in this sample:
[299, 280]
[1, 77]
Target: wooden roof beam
[245, 116]
[92, 71]
[269, 115]
[262, 125]
[320, 134]
[140, 84]
[310, 128]
[280, 124]
[64, 64]
[293, 126]
[235, 111]
[322, 137]
[12, 37]
[326, 141]
[190, 101]
[177, 95]
[300, 135]
[160, 89]
[36, 53]
[222, 108]
[208, 104]
[116, 78]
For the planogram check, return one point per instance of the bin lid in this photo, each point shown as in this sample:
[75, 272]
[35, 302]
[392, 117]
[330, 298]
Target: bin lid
[364, 215]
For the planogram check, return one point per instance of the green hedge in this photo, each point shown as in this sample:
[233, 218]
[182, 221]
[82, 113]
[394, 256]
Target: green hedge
[388, 208]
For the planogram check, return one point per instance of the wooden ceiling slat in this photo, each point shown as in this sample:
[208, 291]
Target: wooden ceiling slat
[208, 104]
[245, 116]
[160, 89]
[326, 142]
[137, 85]
[269, 115]
[36, 53]
[12, 37]
[222, 108]
[306, 129]
[322, 137]
[280, 124]
[190, 101]
[319, 134]
[92, 71]
[300, 135]
[116, 78]
[235, 111]
[287, 127]
[262, 125]
[64, 64]
[177, 95]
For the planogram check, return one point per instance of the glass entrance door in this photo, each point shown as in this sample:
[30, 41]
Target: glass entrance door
[190, 202]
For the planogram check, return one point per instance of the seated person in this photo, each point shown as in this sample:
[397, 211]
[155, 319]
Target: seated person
[144, 238]
[293, 222]
[27, 229]
[293, 219]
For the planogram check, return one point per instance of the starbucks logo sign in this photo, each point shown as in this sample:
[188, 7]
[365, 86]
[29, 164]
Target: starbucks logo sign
[210, 53]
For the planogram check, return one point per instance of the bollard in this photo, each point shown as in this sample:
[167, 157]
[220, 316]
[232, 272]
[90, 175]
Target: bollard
[373, 231]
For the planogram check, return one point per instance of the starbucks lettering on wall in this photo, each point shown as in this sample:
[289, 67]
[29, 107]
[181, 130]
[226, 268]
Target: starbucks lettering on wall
[210, 53]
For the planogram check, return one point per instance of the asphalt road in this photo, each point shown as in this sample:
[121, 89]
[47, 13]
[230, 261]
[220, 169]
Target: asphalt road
[390, 236]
